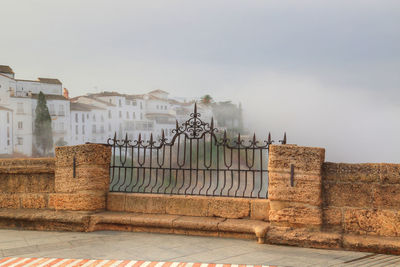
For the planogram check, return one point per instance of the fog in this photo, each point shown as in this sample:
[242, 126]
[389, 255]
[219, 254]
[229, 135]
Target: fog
[326, 72]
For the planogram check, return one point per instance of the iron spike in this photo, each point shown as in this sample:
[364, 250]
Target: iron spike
[177, 124]
[151, 138]
[195, 107]
[212, 123]
[115, 135]
[126, 136]
[225, 134]
[284, 139]
[254, 137]
[140, 137]
[162, 134]
[269, 138]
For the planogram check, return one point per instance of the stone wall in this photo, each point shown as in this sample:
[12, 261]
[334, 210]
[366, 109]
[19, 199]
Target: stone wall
[362, 199]
[201, 206]
[26, 183]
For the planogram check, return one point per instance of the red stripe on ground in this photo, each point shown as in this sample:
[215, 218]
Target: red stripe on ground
[109, 263]
[67, 262]
[137, 264]
[211, 265]
[53, 262]
[197, 264]
[122, 264]
[40, 261]
[26, 262]
[13, 261]
[167, 264]
[5, 259]
[152, 264]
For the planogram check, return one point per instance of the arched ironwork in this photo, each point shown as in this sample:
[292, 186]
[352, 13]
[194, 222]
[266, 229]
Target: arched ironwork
[198, 160]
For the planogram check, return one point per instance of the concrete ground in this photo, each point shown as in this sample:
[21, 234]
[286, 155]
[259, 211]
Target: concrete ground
[178, 248]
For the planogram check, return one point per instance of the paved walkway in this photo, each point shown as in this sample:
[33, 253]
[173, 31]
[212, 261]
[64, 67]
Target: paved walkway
[175, 248]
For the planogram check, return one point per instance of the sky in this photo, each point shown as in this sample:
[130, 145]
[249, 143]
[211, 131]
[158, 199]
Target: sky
[326, 72]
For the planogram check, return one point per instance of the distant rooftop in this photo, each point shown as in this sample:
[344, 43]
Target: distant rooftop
[49, 80]
[158, 91]
[82, 107]
[6, 69]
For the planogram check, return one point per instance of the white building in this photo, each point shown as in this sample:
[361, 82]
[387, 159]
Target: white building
[6, 131]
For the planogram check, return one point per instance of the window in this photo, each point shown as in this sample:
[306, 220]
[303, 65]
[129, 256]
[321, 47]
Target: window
[83, 129]
[51, 109]
[120, 114]
[20, 125]
[76, 117]
[87, 116]
[8, 142]
[120, 102]
[165, 107]
[133, 115]
[127, 115]
[8, 117]
[94, 117]
[20, 141]
[20, 108]
[61, 111]
[127, 102]
[76, 130]
[8, 132]
[109, 114]
[134, 103]
[102, 129]
[110, 101]
[157, 107]
[83, 117]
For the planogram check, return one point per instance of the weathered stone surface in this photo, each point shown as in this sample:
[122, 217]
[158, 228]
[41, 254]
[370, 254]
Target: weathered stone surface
[146, 203]
[348, 195]
[387, 196]
[306, 188]
[228, 207]
[305, 159]
[372, 222]
[27, 166]
[372, 244]
[77, 201]
[27, 183]
[295, 214]
[332, 216]
[259, 209]
[116, 201]
[187, 205]
[343, 172]
[93, 178]
[180, 231]
[303, 237]
[33, 201]
[243, 226]
[87, 154]
[9, 201]
[154, 220]
[390, 173]
[197, 223]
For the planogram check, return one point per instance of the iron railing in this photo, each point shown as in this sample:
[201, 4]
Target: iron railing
[199, 160]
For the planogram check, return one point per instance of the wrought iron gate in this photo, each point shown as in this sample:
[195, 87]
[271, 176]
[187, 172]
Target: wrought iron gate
[199, 160]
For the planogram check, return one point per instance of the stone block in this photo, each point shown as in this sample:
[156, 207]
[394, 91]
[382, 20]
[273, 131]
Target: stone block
[77, 201]
[146, 203]
[154, 220]
[348, 195]
[116, 201]
[305, 189]
[9, 201]
[33, 201]
[374, 244]
[228, 207]
[187, 205]
[343, 172]
[93, 178]
[387, 196]
[197, 223]
[295, 214]
[87, 154]
[259, 209]
[305, 159]
[332, 216]
[372, 222]
[390, 173]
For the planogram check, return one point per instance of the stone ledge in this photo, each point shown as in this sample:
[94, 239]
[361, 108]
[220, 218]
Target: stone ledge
[386, 245]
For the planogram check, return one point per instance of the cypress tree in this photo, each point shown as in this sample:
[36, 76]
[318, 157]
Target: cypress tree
[42, 131]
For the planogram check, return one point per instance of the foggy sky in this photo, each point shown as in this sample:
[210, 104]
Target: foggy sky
[327, 72]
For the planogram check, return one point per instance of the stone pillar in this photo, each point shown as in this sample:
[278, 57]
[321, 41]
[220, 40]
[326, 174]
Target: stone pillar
[85, 186]
[295, 202]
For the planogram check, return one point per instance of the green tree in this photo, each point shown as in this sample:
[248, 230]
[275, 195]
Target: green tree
[42, 131]
[207, 100]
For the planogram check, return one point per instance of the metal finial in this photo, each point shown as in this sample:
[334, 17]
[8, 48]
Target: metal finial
[177, 124]
[195, 107]
[162, 134]
[269, 138]
[140, 137]
[212, 123]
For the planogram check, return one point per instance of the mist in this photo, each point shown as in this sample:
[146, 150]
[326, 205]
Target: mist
[326, 72]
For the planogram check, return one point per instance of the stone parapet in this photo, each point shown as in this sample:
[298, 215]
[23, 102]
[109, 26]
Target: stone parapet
[295, 182]
[81, 177]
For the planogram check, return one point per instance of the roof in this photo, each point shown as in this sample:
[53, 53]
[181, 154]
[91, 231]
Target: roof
[158, 91]
[75, 99]
[4, 108]
[49, 80]
[50, 97]
[130, 97]
[6, 76]
[82, 107]
[106, 93]
[6, 69]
